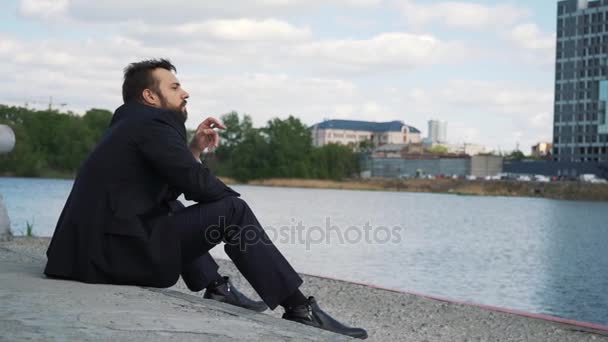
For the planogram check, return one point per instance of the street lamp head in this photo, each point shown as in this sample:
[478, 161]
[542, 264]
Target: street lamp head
[7, 139]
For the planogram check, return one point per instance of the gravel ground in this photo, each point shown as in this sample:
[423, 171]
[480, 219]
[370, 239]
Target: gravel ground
[393, 316]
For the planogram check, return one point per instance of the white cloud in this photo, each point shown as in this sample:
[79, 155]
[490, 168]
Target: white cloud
[276, 45]
[82, 75]
[249, 30]
[355, 23]
[6, 46]
[265, 96]
[493, 97]
[541, 120]
[161, 11]
[395, 49]
[502, 21]
[234, 30]
[500, 97]
[466, 15]
[268, 44]
[43, 8]
[368, 110]
[239, 55]
[531, 45]
[485, 112]
[82, 79]
[460, 132]
[529, 36]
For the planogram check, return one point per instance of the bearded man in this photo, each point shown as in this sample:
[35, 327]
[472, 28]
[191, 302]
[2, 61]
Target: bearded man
[122, 223]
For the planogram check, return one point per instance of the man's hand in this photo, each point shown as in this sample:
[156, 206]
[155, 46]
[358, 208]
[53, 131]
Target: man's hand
[205, 137]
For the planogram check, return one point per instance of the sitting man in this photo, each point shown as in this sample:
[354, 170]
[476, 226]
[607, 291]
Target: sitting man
[122, 224]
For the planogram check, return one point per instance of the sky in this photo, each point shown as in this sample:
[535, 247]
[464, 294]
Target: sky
[485, 67]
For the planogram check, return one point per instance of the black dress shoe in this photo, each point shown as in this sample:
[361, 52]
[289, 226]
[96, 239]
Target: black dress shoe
[311, 314]
[227, 293]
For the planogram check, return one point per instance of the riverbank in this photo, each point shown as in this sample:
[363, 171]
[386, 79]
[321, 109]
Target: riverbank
[567, 190]
[143, 314]
[555, 190]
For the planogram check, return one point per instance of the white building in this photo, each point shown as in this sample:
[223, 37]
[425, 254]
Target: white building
[351, 132]
[437, 133]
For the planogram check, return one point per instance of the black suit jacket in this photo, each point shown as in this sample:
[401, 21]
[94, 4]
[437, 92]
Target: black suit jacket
[141, 163]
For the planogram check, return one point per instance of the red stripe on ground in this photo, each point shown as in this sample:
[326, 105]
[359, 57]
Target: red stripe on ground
[482, 306]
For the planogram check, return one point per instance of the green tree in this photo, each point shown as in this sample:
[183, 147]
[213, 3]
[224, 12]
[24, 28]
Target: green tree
[54, 143]
[366, 145]
[97, 121]
[438, 149]
[516, 155]
[50, 142]
[334, 161]
[290, 144]
[236, 129]
[252, 158]
[226, 157]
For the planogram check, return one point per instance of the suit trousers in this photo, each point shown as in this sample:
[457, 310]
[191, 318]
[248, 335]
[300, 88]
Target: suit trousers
[230, 220]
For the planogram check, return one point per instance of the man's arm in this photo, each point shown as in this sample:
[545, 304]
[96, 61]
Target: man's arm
[163, 146]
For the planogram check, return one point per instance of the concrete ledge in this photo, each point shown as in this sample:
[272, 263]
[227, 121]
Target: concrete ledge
[37, 308]
[32, 307]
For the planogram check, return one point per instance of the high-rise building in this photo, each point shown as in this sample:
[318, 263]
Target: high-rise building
[580, 125]
[437, 133]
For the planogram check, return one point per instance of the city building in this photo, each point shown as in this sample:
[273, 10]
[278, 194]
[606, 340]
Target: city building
[486, 165]
[542, 149]
[437, 133]
[580, 125]
[415, 166]
[352, 133]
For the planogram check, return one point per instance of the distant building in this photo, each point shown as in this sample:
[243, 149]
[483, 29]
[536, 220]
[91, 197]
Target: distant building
[465, 148]
[397, 150]
[486, 165]
[352, 133]
[415, 165]
[580, 122]
[437, 133]
[542, 149]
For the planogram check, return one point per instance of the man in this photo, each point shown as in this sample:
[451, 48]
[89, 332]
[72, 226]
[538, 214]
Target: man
[122, 224]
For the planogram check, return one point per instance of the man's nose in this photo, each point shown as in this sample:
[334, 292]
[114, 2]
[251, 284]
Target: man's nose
[185, 95]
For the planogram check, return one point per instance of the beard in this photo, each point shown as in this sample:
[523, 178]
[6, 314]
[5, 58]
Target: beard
[181, 109]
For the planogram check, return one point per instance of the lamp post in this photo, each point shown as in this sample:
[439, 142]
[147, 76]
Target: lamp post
[7, 143]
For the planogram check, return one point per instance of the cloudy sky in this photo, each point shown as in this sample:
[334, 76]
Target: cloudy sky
[485, 67]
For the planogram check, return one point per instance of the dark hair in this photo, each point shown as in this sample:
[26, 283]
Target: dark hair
[138, 76]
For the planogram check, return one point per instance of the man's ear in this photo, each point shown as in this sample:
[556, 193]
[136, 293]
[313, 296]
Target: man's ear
[149, 97]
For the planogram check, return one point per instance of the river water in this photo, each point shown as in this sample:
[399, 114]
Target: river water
[537, 255]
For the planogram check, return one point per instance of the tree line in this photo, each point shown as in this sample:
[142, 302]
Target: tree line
[54, 144]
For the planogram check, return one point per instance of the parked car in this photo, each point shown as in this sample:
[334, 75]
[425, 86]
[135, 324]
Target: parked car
[591, 178]
[542, 179]
[586, 177]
